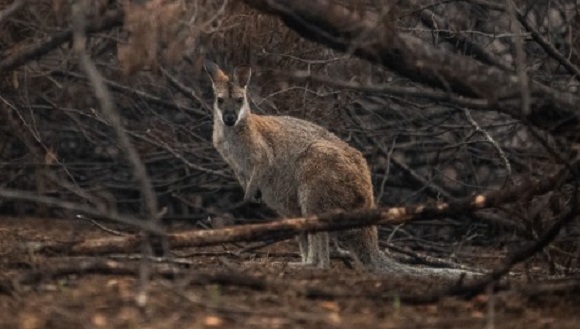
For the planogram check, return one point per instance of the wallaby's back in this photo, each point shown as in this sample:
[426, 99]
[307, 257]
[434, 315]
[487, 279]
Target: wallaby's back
[288, 140]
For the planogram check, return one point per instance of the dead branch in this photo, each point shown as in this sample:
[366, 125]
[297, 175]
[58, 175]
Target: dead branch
[343, 29]
[411, 257]
[111, 267]
[328, 222]
[548, 47]
[491, 140]
[113, 85]
[429, 94]
[79, 10]
[566, 286]
[100, 226]
[107, 21]
[520, 255]
[520, 62]
[58, 203]
[536, 35]
[458, 39]
[11, 9]
[108, 108]
[186, 91]
[471, 289]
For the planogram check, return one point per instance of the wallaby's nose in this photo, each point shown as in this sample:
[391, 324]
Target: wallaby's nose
[229, 119]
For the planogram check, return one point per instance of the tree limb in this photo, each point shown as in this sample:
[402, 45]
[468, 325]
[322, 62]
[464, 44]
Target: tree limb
[458, 40]
[327, 222]
[63, 204]
[343, 29]
[33, 51]
[11, 9]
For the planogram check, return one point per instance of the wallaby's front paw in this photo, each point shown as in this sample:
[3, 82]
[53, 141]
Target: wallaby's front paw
[256, 197]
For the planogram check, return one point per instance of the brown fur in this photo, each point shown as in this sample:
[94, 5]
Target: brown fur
[299, 168]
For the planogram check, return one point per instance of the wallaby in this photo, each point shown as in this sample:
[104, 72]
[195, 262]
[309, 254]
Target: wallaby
[298, 168]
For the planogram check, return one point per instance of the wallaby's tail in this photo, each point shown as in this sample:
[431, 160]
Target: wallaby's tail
[384, 264]
[363, 244]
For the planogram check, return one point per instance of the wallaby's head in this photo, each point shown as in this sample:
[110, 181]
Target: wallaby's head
[230, 94]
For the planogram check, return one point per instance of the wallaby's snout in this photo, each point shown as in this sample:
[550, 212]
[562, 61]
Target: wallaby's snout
[231, 109]
[230, 105]
[229, 118]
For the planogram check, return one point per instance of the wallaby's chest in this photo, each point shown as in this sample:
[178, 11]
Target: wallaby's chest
[239, 149]
[232, 148]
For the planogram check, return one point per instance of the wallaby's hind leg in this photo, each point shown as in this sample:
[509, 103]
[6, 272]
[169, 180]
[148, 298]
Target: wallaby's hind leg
[318, 250]
[303, 245]
[318, 243]
[314, 250]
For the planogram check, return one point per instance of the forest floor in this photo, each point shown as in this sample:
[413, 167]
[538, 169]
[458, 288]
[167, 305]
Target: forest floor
[35, 291]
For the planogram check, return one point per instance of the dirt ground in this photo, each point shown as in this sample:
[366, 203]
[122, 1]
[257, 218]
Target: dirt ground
[289, 300]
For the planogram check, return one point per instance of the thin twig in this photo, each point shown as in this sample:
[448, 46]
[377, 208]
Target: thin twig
[69, 205]
[101, 226]
[430, 94]
[536, 35]
[389, 156]
[548, 47]
[459, 40]
[188, 92]
[140, 94]
[492, 141]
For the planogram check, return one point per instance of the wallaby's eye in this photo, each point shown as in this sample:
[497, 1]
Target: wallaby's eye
[240, 100]
[220, 100]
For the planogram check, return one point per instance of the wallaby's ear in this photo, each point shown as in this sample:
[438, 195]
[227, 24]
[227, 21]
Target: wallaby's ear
[242, 75]
[215, 73]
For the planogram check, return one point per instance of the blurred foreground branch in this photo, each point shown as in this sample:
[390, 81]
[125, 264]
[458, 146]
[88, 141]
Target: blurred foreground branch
[37, 49]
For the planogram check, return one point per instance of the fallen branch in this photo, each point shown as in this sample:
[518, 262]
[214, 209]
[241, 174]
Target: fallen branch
[477, 286]
[566, 286]
[411, 257]
[111, 267]
[327, 222]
